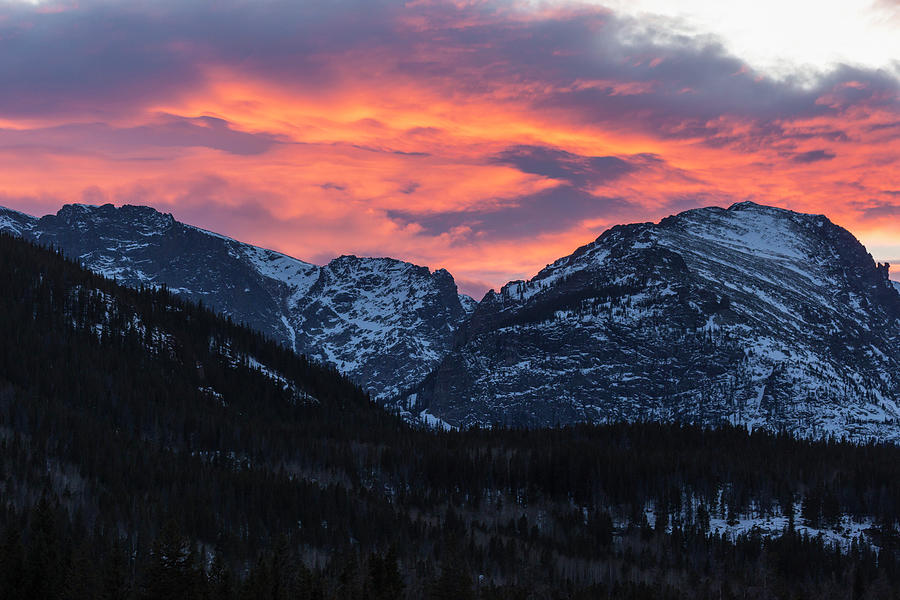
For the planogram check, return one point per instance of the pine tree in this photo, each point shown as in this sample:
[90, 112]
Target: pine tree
[221, 578]
[81, 582]
[115, 574]
[170, 573]
[44, 570]
[811, 509]
[454, 582]
[384, 580]
[11, 564]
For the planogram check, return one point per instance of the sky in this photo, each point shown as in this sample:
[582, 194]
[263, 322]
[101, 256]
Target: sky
[487, 137]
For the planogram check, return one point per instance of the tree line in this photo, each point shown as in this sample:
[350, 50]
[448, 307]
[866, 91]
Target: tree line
[143, 454]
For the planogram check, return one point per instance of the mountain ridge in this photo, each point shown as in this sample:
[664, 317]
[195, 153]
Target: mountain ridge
[345, 313]
[752, 315]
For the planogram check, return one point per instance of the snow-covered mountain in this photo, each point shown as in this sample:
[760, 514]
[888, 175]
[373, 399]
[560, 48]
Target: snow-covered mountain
[752, 315]
[14, 222]
[383, 322]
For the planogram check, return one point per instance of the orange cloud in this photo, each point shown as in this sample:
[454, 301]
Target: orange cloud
[474, 137]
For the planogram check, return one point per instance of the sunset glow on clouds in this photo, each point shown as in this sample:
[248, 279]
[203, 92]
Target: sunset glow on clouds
[485, 137]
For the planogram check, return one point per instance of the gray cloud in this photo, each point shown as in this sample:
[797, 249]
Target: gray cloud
[579, 171]
[552, 210]
[813, 156]
[878, 209]
[167, 131]
[101, 57]
[105, 57]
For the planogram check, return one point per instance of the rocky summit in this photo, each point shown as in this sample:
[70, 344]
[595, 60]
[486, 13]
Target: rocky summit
[752, 315]
[383, 322]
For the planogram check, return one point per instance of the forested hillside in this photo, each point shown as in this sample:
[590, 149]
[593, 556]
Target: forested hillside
[151, 449]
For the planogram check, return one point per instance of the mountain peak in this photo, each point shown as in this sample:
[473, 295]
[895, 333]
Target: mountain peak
[746, 210]
[350, 263]
[381, 321]
[750, 206]
[142, 219]
[352, 259]
[15, 222]
[753, 314]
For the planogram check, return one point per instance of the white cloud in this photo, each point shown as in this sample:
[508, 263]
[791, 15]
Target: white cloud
[782, 37]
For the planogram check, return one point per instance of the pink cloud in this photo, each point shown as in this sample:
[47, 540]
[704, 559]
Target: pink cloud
[479, 137]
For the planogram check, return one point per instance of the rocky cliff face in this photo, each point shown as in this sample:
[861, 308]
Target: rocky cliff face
[384, 322]
[751, 315]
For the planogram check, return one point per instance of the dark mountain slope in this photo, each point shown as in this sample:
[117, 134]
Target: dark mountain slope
[123, 410]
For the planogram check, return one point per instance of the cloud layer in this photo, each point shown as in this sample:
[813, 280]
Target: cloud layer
[486, 137]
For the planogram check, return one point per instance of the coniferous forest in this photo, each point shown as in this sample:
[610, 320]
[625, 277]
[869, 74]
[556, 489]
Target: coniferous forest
[152, 449]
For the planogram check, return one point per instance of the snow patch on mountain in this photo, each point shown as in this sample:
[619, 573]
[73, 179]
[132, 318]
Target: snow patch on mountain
[433, 422]
[385, 318]
[299, 276]
[468, 303]
[15, 222]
